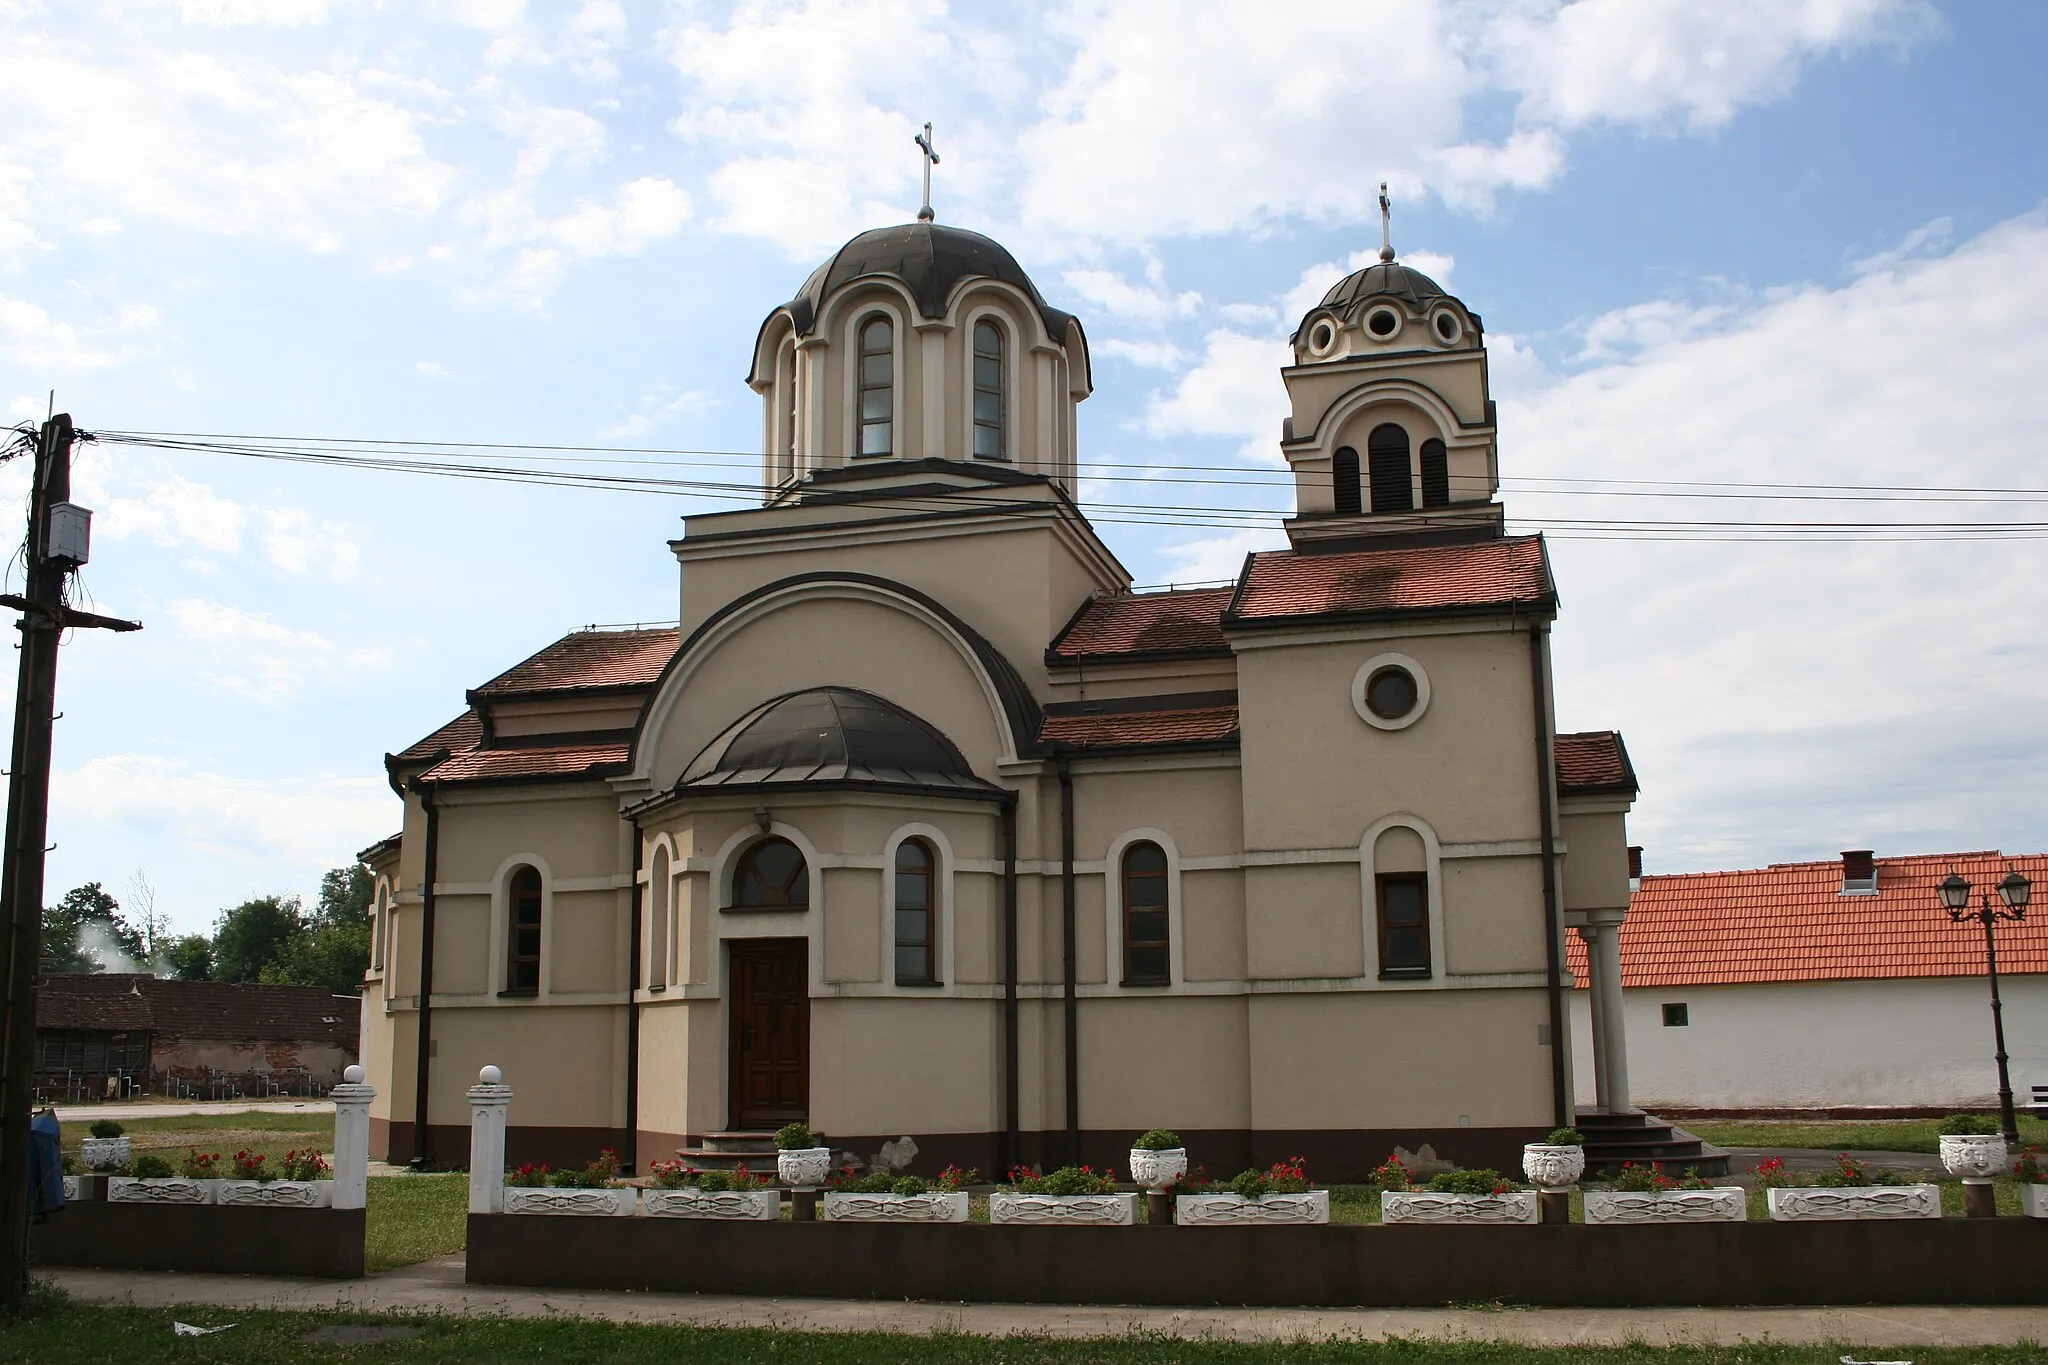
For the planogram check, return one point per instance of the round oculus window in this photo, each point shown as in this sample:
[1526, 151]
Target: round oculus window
[1448, 328]
[1390, 693]
[1383, 322]
[1321, 338]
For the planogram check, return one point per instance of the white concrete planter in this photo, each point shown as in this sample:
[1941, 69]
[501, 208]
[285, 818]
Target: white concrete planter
[1427, 1206]
[2033, 1200]
[276, 1194]
[759, 1205]
[71, 1189]
[1721, 1204]
[126, 1189]
[104, 1154]
[1234, 1210]
[936, 1206]
[1157, 1170]
[1551, 1166]
[1064, 1210]
[1804, 1205]
[614, 1203]
[804, 1168]
[1973, 1156]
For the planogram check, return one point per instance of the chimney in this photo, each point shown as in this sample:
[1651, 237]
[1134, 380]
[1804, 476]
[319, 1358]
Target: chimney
[1859, 872]
[1635, 868]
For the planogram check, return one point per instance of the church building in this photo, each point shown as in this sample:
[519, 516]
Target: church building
[922, 823]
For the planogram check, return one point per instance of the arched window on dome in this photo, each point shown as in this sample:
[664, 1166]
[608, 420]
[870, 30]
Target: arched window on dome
[990, 403]
[1436, 474]
[771, 876]
[1344, 480]
[1393, 488]
[1148, 955]
[877, 386]
[916, 933]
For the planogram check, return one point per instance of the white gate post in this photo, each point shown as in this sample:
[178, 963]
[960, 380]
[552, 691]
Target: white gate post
[352, 1139]
[489, 1099]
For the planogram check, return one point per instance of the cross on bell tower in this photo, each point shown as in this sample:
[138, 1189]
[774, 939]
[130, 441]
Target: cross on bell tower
[931, 159]
[1386, 222]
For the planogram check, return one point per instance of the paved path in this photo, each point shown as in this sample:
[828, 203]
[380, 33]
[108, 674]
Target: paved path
[85, 1113]
[1740, 1159]
[436, 1287]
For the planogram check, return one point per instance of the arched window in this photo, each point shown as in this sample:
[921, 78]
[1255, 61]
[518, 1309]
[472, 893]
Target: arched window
[916, 901]
[378, 909]
[1147, 960]
[786, 467]
[877, 386]
[1344, 479]
[657, 920]
[988, 391]
[1392, 487]
[1436, 474]
[522, 943]
[771, 876]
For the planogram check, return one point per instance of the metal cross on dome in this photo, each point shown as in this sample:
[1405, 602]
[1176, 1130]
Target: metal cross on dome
[1386, 222]
[931, 159]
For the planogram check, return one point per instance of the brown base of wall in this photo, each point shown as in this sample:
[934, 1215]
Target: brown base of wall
[1953, 1261]
[1841, 1111]
[319, 1243]
[1334, 1156]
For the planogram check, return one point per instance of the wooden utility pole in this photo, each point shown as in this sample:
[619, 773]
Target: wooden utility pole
[56, 545]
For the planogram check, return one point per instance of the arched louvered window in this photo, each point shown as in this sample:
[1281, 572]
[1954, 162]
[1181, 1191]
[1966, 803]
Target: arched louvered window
[1147, 949]
[771, 876]
[877, 387]
[786, 467]
[1393, 489]
[522, 941]
[916, 939]
[989, 398]
[1344, 479]
[1436, 474]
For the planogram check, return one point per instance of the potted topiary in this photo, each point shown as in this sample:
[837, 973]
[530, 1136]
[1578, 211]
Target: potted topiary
[1557, 1162]
[2033, 1180]
[1644, 1194]
[305, 1181]
[1846, 1192]
[884, 1197]
[1157, 1159]
[106, 1149]
[1072, 1196]
[592, 1191]
[150, 1180]
[1972, 1149]
[800, 1162]
[1279, 1194]
[1457, 1197]
[682, 1191]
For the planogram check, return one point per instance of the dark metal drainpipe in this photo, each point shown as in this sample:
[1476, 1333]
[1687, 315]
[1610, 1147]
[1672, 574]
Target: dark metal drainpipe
[632, 1153]
[1070, 997]
[423, 1068]
[1012, 1146]
[1546, 795]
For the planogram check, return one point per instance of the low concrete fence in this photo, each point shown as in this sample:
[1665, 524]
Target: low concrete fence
[1952, 1261]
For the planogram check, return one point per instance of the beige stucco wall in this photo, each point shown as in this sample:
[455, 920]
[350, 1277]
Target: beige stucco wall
[1596, 866]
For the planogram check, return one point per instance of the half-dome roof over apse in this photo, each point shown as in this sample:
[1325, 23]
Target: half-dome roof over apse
[930, 259]
[832, 735]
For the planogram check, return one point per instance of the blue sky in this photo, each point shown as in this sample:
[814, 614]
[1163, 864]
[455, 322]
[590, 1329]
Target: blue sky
[1796, 241]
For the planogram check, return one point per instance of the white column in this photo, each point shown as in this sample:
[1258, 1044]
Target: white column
[489, 1099]
[1605, 959]
[1590, 935]
[352, 1139]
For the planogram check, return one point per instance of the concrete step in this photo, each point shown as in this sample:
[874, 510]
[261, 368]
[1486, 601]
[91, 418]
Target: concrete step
[711, 1159]
[749, 1143]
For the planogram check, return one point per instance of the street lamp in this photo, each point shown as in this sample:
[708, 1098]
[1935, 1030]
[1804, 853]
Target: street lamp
[2015, 891]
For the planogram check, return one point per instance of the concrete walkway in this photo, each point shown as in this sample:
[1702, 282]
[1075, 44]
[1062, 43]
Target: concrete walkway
[436, 1287]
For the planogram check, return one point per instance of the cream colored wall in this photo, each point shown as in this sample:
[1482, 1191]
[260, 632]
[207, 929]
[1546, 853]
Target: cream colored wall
[1493, 915]
[1304, 921]
[565, 1063]
[1180, 1063]
[1596, 865]
[558, 716]
[894, 1066]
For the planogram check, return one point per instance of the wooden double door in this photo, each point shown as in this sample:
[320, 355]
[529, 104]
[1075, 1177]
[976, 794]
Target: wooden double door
[770, 1069]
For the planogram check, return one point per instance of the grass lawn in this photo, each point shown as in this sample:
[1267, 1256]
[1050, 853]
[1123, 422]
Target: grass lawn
[1845, 1135]
[415, 1218]
[58, 1332]
[253, 1131]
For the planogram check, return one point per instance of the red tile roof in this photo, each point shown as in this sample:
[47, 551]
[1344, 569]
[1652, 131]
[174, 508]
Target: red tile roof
[588, 659]
[1142, 729]
[1279, 585]
[465, 732]
[505, 765]
[1790, 922]
[1144, 623]
[196, 1009]
[1591, 762]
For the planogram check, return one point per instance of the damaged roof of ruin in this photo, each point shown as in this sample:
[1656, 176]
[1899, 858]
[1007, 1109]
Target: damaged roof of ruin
[230, 1011]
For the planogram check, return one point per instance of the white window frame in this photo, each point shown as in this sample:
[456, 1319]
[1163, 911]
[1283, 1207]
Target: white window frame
[501, 925]
[1113, 906]
[942, 908]
[857, 318]
[1012, 383]
[1369, 923]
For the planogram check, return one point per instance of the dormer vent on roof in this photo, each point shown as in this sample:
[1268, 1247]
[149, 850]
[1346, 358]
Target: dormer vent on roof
[1859, 872]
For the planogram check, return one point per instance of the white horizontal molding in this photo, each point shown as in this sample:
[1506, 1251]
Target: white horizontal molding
[560, 885]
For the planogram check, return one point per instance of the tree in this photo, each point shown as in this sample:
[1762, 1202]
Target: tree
[189, 958]
[333, 946]
[84, 932]
[253, 936]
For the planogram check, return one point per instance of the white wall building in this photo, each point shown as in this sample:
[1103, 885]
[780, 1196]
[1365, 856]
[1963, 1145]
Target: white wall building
[1806, 986]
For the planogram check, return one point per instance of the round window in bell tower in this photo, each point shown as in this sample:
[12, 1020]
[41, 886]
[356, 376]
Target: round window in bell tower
[1390, 692]
[1447, 327]
[1322, 338]
[1383, 323]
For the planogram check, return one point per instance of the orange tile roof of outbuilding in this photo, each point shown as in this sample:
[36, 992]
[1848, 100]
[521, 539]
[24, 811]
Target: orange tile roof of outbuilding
[1177, 622]
[1593, 761]
[1791, 922]
[588, 659]
[1282, 584]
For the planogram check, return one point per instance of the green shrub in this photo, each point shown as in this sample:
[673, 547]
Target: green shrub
[1282, 1177]
[528, 1177]
[148, 1167]
[1566, 1137]
[793, 1137]
[1065, 1180]
[1968, 1125]
[1156, 1140]
[907, 1184]
[105, 1128]
[1848, 1174]
[713, 1182]
[1392, 1174]
[874, 1182]
[1469, 1182]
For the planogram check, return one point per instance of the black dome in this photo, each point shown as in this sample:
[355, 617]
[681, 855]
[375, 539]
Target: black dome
[929, 259]
[832, 735]
[1385, 278]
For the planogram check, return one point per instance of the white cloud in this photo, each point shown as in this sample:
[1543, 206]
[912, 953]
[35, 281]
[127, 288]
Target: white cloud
[1120, 298]
[431, 367]
[659, 406]
[237, 12]
[1152, 355]
[1924, 240]
[31, 337]
[259, 658]
[295, 542]
[1235, 392]
[176, 511]
[1219, 558]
